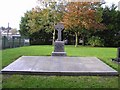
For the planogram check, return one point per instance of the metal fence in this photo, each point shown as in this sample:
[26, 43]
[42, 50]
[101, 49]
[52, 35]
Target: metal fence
[13, 42]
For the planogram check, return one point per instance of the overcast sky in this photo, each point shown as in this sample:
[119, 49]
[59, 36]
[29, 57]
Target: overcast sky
[12, 10]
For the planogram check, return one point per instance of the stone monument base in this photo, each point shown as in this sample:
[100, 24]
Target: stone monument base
[59, 66]
[59, 54]
[59, 49]
[116, 59]
[118, 56]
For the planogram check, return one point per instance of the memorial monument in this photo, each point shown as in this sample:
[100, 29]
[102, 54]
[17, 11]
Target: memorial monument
[58, 44]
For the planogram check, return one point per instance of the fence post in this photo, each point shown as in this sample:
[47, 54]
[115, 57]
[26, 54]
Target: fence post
[19, 41]
[10, 41]
[13, 42]
[4, 45]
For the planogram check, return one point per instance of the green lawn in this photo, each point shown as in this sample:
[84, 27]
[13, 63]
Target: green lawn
[32, 81]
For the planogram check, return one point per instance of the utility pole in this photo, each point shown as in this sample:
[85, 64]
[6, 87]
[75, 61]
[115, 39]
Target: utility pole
[8, 30]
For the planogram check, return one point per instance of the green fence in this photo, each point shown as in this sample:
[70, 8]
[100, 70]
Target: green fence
[13, 42]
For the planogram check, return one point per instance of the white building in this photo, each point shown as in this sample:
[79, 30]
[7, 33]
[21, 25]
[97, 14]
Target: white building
[8, 32]
[119, 5]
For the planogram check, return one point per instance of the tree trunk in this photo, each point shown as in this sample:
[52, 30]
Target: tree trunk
[76, 39]
[53, 37]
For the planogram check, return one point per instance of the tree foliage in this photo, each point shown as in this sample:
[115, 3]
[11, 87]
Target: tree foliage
[96, 41]
[82, 15]
[111, 18]
[81, 19]
[38, 20]
[24, 28]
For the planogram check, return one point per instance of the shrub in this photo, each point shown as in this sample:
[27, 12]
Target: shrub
[95, 41]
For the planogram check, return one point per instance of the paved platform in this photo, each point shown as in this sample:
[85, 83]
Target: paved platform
[51, 65]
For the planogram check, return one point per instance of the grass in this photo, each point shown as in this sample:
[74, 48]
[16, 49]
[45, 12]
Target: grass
[32, 81]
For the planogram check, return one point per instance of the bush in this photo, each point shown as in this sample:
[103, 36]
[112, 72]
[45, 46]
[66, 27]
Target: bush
[96, 41]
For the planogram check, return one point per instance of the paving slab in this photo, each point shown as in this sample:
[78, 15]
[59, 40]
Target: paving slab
[57, 65]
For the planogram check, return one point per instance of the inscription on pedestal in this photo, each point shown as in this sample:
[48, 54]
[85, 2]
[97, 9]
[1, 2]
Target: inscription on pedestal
[59, 46]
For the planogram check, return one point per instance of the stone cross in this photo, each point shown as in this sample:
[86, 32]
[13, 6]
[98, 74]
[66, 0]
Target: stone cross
[59, 27]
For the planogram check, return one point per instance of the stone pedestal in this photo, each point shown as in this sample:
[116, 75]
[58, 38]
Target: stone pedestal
[59, 49]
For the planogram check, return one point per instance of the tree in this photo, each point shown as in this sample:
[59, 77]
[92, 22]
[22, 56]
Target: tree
[82, 15]
[34, 26]
[43, 20]
[38, 20]
[111, 18]
[55, 12]
[24, 28]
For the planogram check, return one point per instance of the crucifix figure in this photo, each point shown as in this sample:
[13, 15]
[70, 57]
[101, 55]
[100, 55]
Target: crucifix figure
[59, 27]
